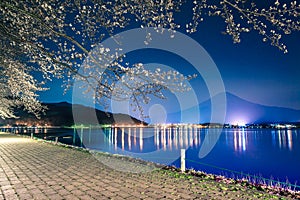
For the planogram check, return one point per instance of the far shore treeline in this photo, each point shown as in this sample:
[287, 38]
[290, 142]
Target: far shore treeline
[60, 115]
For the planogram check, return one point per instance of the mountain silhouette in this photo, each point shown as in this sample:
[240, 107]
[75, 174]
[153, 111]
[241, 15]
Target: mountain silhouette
[61, 114]
[239, 110]
[256, 113]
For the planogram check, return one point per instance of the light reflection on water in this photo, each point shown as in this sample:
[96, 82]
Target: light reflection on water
[283, 138]
[158, 138]
[169, 139]
[240, 140]
[265, 152]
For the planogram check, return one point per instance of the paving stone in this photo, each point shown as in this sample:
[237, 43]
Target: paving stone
[40, 196]
[85, 197]
[9, 192]
[25, 196]
[21, 191]
[11, 197]
[71, 197]
[112, 189]
[35, 191]
[54, 196]
[77, 192]
[107, 193]
[49, 191]
[124, 194]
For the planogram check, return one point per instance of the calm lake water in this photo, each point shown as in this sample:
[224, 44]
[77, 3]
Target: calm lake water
[268, 153]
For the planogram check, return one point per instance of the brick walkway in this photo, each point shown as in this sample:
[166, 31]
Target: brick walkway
[31, 169]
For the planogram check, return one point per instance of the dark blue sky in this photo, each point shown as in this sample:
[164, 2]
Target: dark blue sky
[252, 70]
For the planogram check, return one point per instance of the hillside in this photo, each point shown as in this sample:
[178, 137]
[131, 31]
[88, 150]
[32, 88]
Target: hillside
[60, 114]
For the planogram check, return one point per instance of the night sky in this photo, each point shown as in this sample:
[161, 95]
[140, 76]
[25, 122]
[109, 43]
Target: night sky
[252, 70]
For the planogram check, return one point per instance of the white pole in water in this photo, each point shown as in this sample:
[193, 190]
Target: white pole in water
[56, 140]
[182, 160]
[31, 135]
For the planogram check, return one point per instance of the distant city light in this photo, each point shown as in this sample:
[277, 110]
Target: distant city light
[240, 123]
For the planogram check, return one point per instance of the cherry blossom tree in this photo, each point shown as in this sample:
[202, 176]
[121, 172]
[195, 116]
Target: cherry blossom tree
[52, 38]
[17, 89]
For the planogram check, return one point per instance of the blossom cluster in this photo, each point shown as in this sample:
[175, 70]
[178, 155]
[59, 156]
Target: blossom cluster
[52, 38]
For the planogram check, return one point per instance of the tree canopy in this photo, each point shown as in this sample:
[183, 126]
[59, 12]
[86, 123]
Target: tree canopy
[50, 39]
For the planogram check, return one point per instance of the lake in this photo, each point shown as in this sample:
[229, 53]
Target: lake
[265, 153]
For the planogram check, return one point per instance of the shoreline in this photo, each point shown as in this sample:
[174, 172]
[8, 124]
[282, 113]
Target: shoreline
[233, 184]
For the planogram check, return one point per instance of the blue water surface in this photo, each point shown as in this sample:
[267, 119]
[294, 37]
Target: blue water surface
[262, 153]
